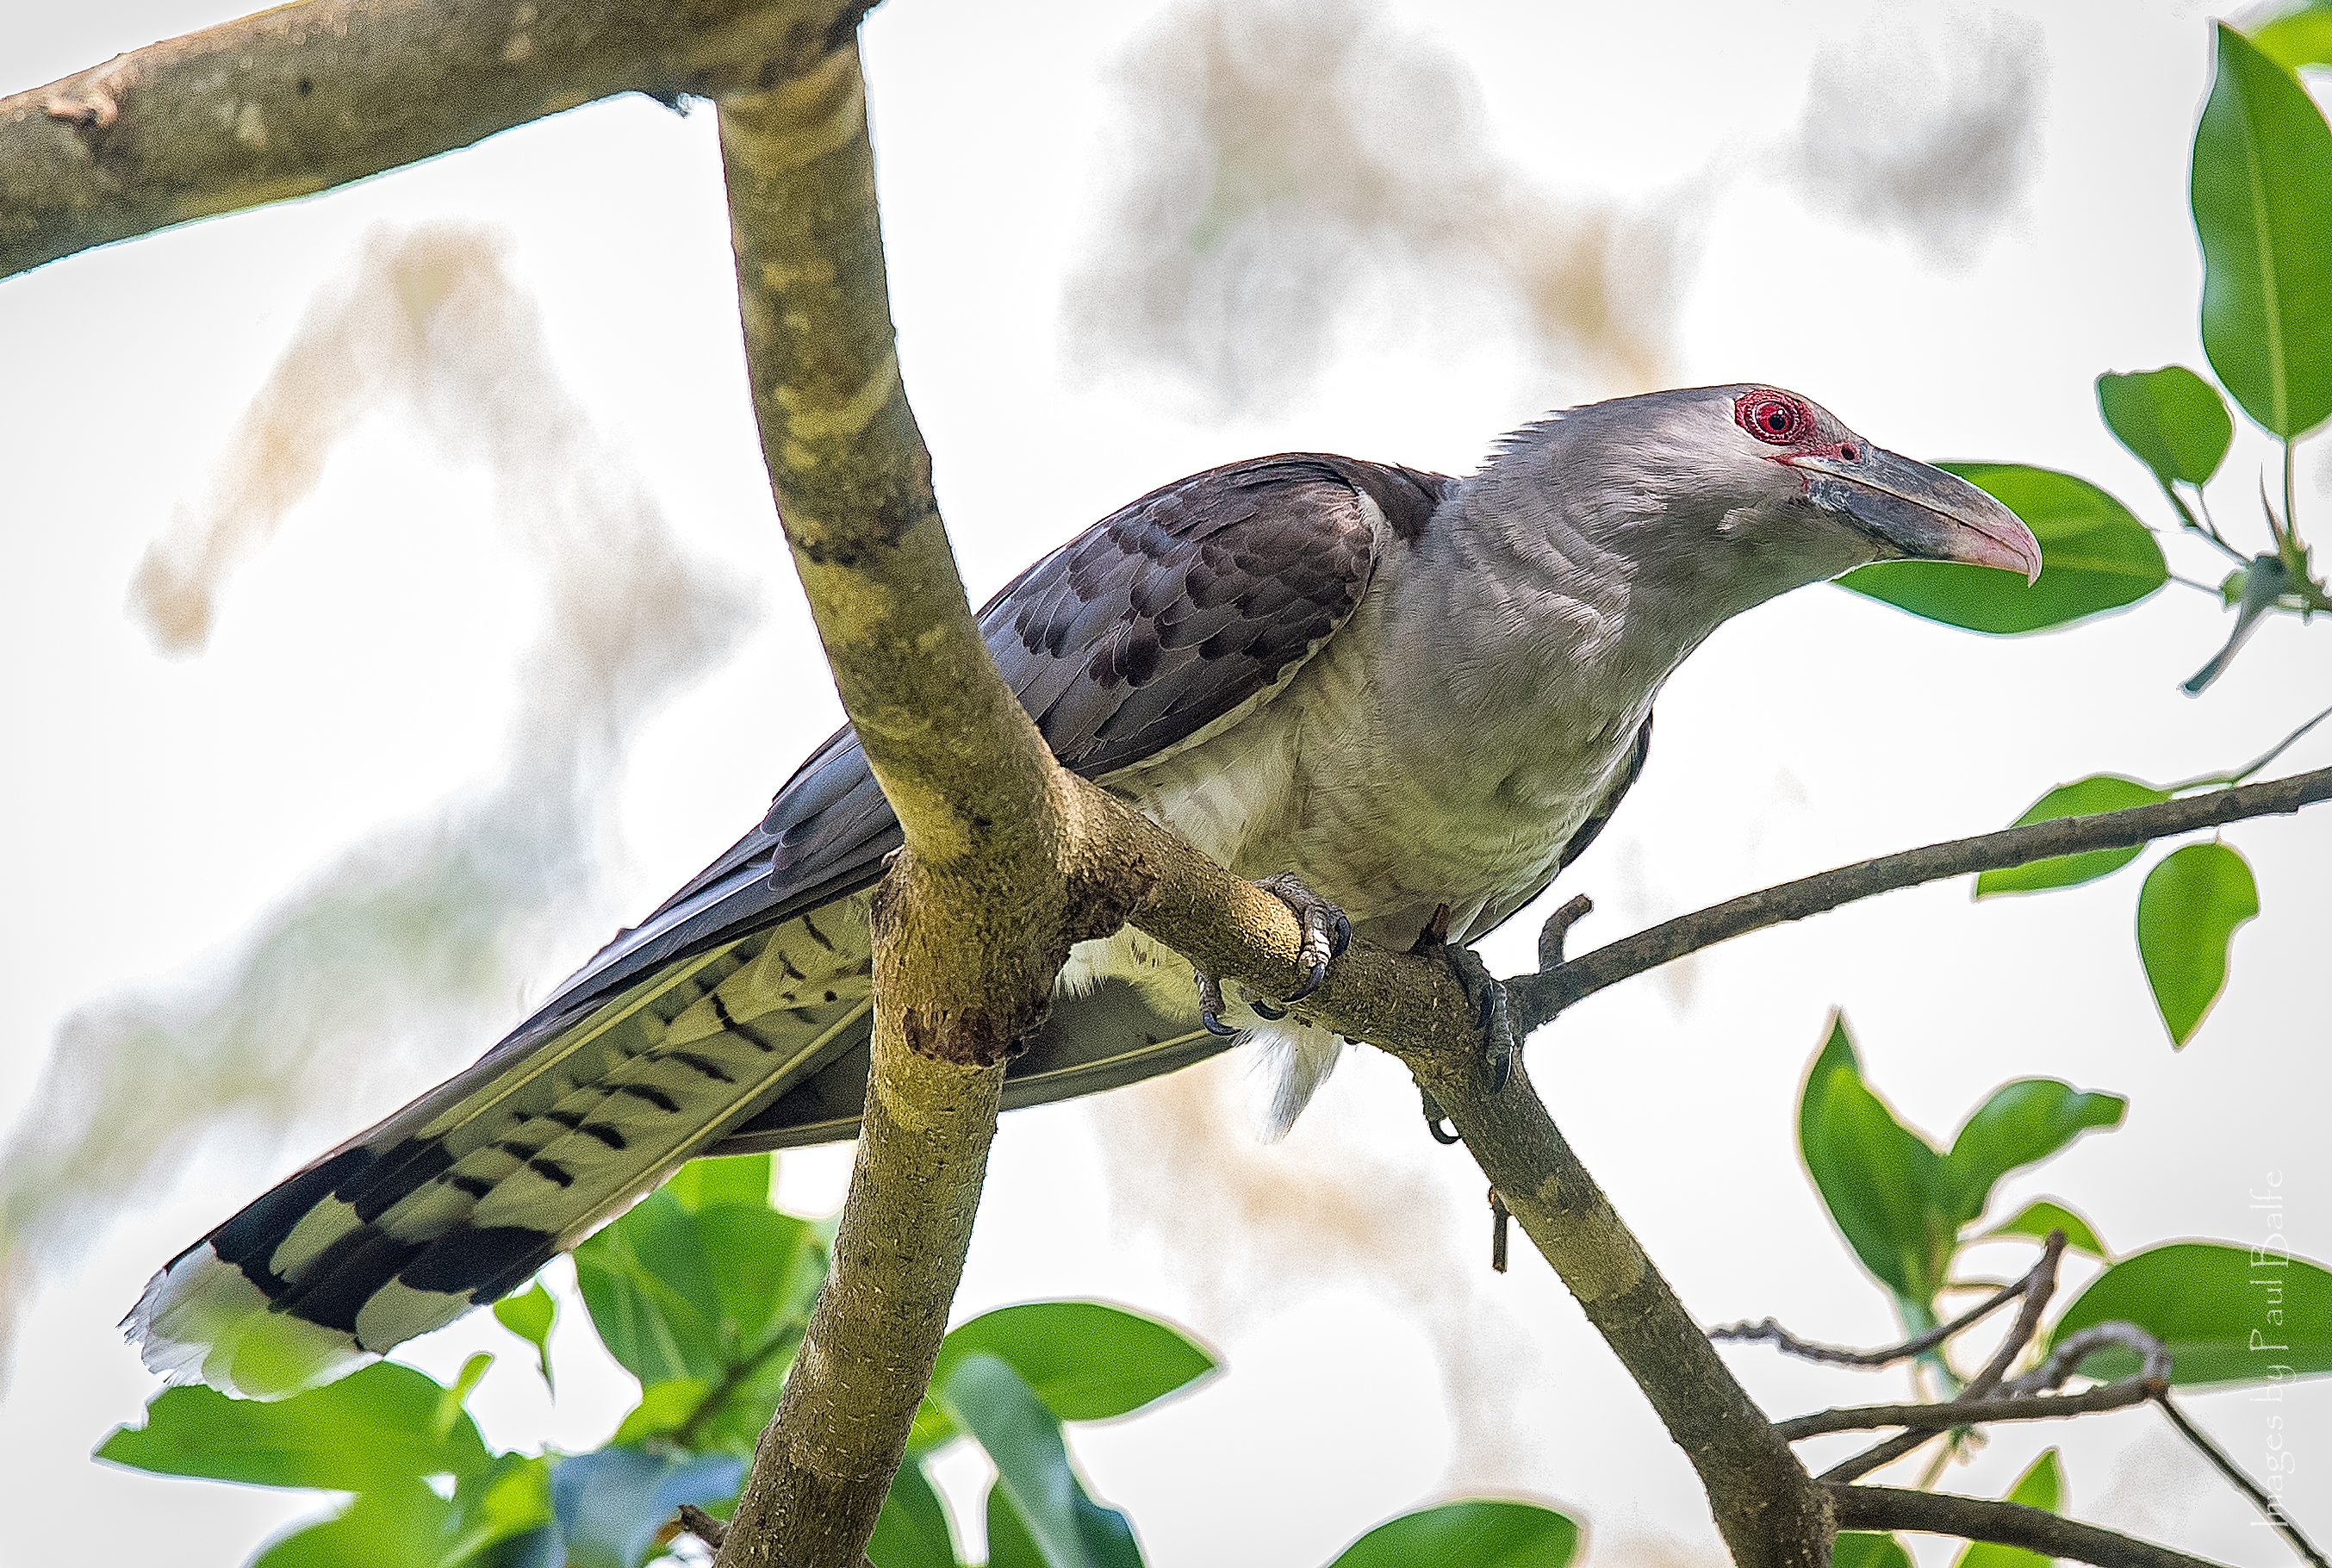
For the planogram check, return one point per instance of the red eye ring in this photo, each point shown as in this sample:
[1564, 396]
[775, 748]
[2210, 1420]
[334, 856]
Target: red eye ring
[1773, 417]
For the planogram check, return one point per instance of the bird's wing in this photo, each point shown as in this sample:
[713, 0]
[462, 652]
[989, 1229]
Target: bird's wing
[1168, 619]
[751, 984]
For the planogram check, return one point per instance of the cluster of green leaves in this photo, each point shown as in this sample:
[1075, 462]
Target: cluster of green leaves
[2228, 1313]
[2260, 194]
[702, 1292]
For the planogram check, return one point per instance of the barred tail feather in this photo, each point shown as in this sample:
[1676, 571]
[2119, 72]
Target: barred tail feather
[456, 1199]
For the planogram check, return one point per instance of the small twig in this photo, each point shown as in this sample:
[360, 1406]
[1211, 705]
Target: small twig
[2255, 764]
[2006, 1523]
[696, 1522]
[2152, 1355]
[2037, 1286]
[1557, 929]
[2265, 1504]
[1789, 1344]
[1937, 1418]
[1877, 1456]
[1536, 999]
[1498, 1217]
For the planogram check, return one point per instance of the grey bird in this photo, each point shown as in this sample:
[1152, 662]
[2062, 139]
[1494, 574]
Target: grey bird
[1411, 690]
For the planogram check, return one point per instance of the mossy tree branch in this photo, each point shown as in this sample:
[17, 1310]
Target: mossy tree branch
[303, 97]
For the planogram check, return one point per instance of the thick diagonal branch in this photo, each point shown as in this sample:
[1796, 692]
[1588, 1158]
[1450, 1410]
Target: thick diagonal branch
[1537, 998]
[2007, 1523]
[304, 96]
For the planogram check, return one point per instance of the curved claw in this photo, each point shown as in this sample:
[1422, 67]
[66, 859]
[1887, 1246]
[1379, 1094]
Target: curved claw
[1210, 1005]
[1311, 983]
[1264, 1009]
[1344, 936]
[1435, 1116]
[1502, 1067]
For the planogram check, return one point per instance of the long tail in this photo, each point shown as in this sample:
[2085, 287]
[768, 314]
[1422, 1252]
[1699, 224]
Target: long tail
[458, 1198]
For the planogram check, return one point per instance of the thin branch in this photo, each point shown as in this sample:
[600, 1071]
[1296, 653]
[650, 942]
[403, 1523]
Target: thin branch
[2005, 1524]
[305, 97]
[1887, 1355]
[2038, 1285]
[2268, 1506]
[1878, 1458]
[2066, 1357]
[2251, 767]
[1535, 998]
[1937, 1418]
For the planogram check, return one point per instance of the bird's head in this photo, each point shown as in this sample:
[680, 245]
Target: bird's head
[1754, 486]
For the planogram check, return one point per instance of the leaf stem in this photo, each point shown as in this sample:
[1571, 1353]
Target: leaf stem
[2207, 528]
[2215, 780]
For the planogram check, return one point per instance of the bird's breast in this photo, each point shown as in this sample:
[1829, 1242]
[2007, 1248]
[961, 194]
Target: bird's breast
[1373, 784]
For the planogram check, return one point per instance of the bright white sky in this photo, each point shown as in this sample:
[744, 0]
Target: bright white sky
[364, 669]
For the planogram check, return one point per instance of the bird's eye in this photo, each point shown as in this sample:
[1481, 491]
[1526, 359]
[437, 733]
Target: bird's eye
[1773, 417]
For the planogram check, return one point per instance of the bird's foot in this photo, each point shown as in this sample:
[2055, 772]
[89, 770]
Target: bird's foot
[1490, 1017]
[1210, 1004]
[1326, 934]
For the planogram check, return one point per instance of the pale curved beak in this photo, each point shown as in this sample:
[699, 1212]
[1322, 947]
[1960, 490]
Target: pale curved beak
[1919, 512]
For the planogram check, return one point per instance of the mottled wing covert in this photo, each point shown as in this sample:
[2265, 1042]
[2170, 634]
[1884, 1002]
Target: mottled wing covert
[1163, 619]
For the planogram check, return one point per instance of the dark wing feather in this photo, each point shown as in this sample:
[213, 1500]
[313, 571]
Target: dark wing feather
[1161, 620]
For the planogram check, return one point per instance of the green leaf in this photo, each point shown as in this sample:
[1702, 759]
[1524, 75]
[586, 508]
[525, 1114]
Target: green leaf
[662, 1408]
[649, 1288]
[680, 1294]
[1865, 1549]
[501, 1504]
[2302, 36]
[611, 1502]
[2095, 557]
[404, 1527]
[912, 1531]
[373, 1430]
[2098, 792]
[1876, 1176]
[2262, 198]
[1470, 1534]
[731, 1179]
[529, 1315]
[2039, 1487]
[2171, 419]
[2228, 1313]
[2039, 1218]
[1010, 1544]
[2022, 1123]
[2187, 913]
[1086, 1361]
[449, 1410]
[766, 1268]
[985, 1398]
